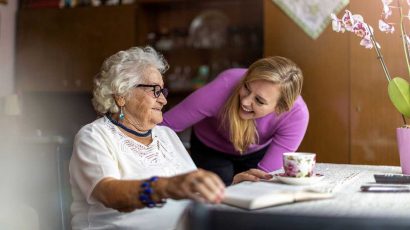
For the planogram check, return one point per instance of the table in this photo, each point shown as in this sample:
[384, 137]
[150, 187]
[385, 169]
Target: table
[348, 200]
[381, 210]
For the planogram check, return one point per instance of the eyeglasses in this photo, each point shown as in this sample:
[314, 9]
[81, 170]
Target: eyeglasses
[157, 89]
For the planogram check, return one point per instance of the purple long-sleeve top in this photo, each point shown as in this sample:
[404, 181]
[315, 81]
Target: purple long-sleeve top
[282, 133]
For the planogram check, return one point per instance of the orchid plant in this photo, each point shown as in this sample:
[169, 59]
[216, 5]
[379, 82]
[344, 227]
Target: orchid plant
[398, 88]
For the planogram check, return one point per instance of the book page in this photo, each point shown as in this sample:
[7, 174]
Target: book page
[248, 188]
[246, 194]
[251, 195]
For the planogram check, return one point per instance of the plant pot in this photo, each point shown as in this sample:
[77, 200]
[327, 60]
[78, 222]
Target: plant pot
[403, 143]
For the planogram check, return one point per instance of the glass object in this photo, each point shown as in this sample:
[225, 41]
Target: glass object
[202, 77]
[209, 29]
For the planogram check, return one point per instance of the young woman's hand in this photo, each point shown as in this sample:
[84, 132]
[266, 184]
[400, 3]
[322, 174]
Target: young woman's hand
[251, 175]
[199, 185]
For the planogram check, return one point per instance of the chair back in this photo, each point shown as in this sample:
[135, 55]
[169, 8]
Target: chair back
[63, 160]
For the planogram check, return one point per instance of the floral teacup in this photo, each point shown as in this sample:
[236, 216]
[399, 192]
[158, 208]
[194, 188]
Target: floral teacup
[298, 164]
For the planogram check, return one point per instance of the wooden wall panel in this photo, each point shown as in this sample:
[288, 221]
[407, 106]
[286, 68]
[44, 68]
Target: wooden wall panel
[325, 65]
[60, 50]
[373, 117]
[352, 118]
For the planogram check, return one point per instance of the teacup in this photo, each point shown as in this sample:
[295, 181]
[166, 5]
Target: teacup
[299, 164]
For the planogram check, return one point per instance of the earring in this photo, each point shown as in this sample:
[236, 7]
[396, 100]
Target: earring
[122, 116]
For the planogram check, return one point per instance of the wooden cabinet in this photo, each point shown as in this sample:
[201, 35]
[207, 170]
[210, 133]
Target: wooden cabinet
[202, 38]
[373, 117]
[62, 49]
[351, 117]
[325, 66]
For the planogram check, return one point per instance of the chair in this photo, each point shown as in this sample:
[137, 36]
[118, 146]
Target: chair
[64, 187]
[200, 217]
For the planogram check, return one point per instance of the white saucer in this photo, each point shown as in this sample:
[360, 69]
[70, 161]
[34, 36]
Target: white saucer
[299, 181]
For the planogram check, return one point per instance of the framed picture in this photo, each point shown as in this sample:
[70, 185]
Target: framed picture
[3, 1]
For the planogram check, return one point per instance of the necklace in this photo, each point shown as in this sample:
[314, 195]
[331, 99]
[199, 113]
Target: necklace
[146, 134]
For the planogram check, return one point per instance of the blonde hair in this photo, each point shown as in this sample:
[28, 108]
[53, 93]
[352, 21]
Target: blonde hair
[278, 70]
[120, 73]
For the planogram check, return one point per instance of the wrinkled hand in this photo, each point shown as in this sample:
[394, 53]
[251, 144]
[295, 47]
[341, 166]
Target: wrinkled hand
[251, 175]
[199, 185]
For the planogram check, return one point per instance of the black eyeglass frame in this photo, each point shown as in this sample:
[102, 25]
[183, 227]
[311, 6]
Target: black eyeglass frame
[157, 92]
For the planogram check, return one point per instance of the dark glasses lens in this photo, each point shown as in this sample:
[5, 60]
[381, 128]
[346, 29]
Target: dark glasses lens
[158, 91]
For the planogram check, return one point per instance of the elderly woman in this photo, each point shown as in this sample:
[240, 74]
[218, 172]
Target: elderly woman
[124, 167]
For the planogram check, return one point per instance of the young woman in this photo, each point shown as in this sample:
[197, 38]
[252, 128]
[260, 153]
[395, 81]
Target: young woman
[245, 118]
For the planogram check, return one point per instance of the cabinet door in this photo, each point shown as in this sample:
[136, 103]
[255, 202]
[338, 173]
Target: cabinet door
[351, 117]
[325, 66]
[62, 49]
[373, 117]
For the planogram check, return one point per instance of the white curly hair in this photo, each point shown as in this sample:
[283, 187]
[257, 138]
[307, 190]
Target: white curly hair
[120, 73]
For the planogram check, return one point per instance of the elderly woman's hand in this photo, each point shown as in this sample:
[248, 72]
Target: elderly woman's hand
[251, 175]
[200, 185]
[123, 195]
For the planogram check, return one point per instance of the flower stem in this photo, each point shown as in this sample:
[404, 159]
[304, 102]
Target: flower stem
[381, 59]
[405, 44]
[403, 37]
[379, 54]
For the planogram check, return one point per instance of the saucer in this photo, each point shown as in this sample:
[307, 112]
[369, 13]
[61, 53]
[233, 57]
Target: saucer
[299, 181]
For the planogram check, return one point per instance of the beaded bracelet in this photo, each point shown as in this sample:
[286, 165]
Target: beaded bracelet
[146, 194]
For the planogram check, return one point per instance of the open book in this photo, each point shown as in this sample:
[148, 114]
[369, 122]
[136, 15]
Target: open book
[254, 195]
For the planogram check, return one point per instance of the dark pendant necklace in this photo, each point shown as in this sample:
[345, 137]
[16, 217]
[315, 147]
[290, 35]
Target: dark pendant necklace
[146, 134]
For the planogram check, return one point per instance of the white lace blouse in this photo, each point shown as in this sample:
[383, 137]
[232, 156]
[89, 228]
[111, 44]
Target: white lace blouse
[101, 150]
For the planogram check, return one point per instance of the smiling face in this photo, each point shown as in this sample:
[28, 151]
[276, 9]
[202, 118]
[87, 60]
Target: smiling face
[142, 109]
[258, 99]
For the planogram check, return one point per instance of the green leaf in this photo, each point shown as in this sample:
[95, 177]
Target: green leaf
[399, 93]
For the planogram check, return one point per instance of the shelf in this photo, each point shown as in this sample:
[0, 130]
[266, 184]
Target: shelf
[55, 4]
[202, 51]
[80, 33]
[147, 2]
